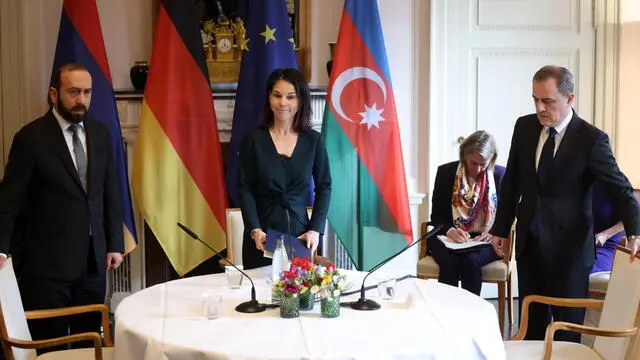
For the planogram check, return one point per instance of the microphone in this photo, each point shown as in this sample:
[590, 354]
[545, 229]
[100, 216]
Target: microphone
[251, 306]
[366, 304]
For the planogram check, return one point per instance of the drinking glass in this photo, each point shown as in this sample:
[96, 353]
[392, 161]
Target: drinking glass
[211, 304]
[234, 277]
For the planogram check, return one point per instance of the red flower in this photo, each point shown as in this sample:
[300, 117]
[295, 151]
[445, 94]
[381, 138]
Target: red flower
[301, 262]
[289, 274]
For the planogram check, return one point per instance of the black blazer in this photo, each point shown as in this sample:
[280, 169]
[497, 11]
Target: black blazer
[58, 220]
[443, 193]
[563, 204]
[268, 185]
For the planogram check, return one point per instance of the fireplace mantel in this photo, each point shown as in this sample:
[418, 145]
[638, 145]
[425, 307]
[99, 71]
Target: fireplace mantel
[128, 102]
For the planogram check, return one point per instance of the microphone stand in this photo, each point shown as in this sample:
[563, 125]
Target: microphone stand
[251, 306]
[365, 304]
[290, 252]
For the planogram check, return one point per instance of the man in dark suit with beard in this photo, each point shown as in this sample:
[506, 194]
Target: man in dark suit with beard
[554, 159]
[59, 196]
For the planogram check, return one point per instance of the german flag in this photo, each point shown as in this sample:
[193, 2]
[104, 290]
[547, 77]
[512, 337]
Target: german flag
[178, 173]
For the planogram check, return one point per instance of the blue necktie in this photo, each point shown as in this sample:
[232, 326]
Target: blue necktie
[546, 156]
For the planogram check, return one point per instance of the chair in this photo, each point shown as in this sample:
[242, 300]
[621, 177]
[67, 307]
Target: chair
[598, 281]
[235, 234]
[14, 331]
[498, 272]
[617, 337]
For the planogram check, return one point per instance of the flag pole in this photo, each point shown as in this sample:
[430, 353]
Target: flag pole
[360, 227]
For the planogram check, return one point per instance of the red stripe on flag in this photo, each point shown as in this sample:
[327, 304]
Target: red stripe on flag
[84, 17]
[180, 98]
[379, 148]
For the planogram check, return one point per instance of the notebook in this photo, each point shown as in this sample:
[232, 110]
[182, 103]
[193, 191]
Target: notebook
[294, 246]
[469, 245]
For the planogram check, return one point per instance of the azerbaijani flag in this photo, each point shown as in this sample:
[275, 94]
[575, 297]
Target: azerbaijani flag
[80, 41]
[178, 174]
[370, 207]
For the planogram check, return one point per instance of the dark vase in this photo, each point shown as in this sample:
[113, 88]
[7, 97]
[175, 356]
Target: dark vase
[138, 74]
[330, 307]
[307, 300]
[289, 306]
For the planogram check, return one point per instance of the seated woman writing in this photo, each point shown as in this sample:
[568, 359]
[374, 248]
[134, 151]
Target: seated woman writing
[465, 196]
[606, 227]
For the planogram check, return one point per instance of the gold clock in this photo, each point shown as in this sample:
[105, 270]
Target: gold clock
[224, 45]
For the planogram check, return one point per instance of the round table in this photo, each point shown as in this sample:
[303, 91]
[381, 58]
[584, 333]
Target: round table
[425, 320]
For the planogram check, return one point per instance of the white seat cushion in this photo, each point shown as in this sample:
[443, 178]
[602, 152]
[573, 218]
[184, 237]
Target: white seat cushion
[533, 350]
[599, 281]
[78, 354]
[494, 271]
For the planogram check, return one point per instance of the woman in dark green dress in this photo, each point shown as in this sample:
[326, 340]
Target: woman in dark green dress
[277, 161]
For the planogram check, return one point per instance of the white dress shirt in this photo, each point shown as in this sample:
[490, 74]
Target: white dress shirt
[68, 136]
[561, 128]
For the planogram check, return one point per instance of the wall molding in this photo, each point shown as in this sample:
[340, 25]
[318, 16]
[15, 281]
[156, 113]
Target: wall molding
[523, 27]
[519, 53]
[12, 73]
[607, 64]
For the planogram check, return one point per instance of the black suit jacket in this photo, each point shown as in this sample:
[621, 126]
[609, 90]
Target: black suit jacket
[58, 220]
[563, 203]
[269, 185]
[443, 192]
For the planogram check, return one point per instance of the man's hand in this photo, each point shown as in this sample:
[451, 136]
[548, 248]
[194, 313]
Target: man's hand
[3, 259]
[498, 245]
[113, 260]
[633, 245]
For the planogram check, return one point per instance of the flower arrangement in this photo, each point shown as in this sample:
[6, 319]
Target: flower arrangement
[303, 281]
[329, 282]
[297, 280]
[288, 284]
[306, 273]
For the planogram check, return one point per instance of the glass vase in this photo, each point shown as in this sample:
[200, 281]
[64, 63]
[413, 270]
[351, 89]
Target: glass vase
[330, 307]
[307, 300]
[289, 306]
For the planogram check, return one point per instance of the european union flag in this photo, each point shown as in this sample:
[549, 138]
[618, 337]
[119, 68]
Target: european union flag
[269, 46]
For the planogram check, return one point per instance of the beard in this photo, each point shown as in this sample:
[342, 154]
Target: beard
[68, 114]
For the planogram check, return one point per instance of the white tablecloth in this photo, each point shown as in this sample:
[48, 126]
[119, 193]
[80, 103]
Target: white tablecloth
[425, 320]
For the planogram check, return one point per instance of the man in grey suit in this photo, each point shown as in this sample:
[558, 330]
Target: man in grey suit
[554, 159]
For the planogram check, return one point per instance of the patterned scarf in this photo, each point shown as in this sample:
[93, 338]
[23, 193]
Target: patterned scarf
[474, 205]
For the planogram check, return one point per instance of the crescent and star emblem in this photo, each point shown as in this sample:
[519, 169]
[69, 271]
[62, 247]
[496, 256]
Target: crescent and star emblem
[371, 116]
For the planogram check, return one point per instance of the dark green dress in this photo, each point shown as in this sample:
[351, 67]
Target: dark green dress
[272, 187]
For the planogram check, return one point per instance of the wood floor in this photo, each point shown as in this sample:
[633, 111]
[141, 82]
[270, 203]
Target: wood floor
[516, 315]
